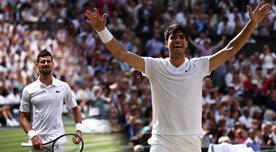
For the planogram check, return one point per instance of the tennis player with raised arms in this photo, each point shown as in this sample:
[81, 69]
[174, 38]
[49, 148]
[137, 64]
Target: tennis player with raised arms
[44, 99]
[176, 81]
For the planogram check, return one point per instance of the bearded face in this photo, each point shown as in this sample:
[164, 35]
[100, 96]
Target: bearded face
[45, 65]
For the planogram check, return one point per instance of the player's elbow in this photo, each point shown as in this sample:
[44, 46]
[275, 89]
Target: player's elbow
[232, 49]
[234, 46]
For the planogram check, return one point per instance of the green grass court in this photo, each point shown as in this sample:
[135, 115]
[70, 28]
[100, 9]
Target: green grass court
[11, 138]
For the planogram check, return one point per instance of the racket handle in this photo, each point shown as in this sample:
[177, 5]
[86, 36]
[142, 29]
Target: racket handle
[26, 144]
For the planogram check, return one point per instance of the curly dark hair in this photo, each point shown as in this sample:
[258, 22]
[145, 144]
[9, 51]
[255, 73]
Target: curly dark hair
[174, 28]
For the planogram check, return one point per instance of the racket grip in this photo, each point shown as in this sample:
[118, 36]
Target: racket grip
[26, 144]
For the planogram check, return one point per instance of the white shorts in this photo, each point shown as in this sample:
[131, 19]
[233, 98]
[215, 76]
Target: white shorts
[175, 143]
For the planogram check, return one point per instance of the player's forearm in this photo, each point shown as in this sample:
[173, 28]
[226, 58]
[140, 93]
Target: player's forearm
[116, 48]
[238, 42]
[113, 45]
[78, 120]
[77, 114]
[24, 122]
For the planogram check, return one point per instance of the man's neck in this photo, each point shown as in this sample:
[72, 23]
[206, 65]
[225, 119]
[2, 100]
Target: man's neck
[177, 62]
[46, 79]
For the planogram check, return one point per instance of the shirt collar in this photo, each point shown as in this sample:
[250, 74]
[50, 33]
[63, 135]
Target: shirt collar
[54, 82]
[182, 66]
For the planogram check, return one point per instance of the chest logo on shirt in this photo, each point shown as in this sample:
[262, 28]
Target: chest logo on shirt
[189, 68]
[57, 91]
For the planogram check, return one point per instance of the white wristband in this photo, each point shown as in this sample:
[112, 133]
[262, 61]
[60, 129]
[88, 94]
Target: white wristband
[79, 127]
[31, 134]
[105, 35]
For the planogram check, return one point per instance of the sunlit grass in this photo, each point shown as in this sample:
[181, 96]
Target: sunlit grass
[11, 138]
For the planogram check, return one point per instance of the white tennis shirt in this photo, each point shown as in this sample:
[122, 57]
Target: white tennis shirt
[176, 94]
[47, 106]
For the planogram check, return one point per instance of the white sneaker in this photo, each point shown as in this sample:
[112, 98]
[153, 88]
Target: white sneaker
[9, 123]
[15, 123]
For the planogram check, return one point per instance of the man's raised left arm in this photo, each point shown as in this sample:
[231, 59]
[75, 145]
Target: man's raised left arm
[256, 16]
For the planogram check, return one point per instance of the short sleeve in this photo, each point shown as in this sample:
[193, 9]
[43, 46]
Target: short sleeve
[204, 64]
[149, 61]
[69, 98]
[25, 102]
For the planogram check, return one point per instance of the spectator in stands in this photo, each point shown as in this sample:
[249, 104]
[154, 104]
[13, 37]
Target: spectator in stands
[181, 15]
[225, 27]
[240, 136]
[114, 118]
[230, 75]
[251, 142]
[234, 118]
[203, 37]
[268, 59]
[14, 96]
[207, 48]
[230, 95]
[144, 15]
[270, 83]
[237, 18]
[236, 83]
[271, 101]
[269, 117]
[5, 109]
[126, 41]
[225, 5]
[245, 118]
[265, 132]
[273, 136]
[116, 23]
[154, 46]
[169, 17]
[258, 77]
[207, 137]
[212, 21]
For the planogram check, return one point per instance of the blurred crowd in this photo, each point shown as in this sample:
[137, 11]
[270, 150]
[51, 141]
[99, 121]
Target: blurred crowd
[239, 97]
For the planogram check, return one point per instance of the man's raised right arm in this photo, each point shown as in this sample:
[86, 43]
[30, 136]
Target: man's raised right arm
[98, 23]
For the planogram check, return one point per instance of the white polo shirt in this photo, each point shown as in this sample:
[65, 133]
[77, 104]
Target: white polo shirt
[47, 106]
[176, 95]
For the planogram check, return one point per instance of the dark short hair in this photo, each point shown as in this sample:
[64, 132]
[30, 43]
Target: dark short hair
[42, 54]
[174, 28]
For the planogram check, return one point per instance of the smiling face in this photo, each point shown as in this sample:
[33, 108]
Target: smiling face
[177, 44]
[45, 65]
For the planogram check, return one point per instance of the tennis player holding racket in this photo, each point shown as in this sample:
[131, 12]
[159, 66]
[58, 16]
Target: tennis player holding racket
[44, 98]
[176, 81]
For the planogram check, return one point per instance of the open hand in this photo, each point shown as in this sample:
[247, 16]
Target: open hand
[260, 12]
[95, 20]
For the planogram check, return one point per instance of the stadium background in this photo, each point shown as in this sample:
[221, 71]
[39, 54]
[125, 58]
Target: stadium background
[109, 89]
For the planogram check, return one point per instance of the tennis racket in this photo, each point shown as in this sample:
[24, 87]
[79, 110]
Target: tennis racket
[63, 143]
